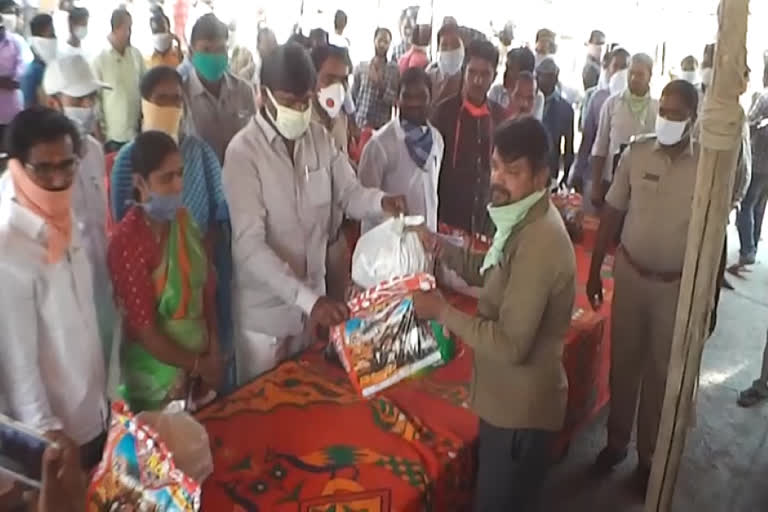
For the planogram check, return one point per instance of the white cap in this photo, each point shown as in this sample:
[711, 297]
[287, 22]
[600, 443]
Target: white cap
[71, 75]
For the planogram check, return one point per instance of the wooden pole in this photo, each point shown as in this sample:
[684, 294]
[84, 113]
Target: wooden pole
[721, 128]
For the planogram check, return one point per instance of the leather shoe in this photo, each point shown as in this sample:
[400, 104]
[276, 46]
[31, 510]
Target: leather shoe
[641, 477]
[608, 459]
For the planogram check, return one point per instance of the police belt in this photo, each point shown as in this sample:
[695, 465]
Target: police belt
[652, 275]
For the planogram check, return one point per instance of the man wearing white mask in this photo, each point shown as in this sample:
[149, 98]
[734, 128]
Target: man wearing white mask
[165, 45]
[649, 204]
[689, 70]
[404, 156]
[445, 74]
[581, 178]
[332, 67]
[78, 31]
[72, 89]
[283, 176]
[623, 116]
[45, 49]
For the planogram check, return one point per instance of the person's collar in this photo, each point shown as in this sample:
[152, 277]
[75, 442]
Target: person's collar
[687, 150]
[399, 132]
[197, 88]
[269, 131]
[17, 217]
[474, 110]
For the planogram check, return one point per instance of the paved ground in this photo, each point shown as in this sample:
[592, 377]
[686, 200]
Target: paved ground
[726, 456]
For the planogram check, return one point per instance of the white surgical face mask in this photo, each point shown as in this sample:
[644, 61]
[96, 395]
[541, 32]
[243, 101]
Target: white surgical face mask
[688, 76]
[10, 21]
[450, 61]
[162, 42]
[45, 47]
[619, 81]
[83, 117]
[331, 98]
[706, 76]
[80, 32]
[669, 133]
[291, 124]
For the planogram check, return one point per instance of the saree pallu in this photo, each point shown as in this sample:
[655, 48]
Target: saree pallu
[148, 384]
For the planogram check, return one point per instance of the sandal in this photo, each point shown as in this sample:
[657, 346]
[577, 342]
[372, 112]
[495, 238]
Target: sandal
[750, 397]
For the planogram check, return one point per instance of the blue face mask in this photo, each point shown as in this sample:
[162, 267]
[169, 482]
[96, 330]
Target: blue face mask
[162, 208]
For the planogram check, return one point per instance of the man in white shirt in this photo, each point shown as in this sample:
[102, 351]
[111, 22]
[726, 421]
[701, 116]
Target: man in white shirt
[405, 155]
[72, 89]
[51, 361]
[78, 30]
[282, 177]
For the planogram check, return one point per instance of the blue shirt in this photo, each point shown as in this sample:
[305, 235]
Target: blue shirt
[31, 81]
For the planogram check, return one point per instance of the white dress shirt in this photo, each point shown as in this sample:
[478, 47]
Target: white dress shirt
[387, 165]
[51, 361]
[281, 211]
[89, 202]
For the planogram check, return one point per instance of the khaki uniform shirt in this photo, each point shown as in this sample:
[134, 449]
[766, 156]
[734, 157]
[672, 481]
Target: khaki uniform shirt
[280, 208]
[657, 194]
[217, 119]
[617, 126]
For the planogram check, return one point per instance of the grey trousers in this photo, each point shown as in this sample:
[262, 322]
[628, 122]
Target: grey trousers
[512, 467]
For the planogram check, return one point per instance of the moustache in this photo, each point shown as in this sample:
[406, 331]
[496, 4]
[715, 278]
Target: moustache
[499, 190]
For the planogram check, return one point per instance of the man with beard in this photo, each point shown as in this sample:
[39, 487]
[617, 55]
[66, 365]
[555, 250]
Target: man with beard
[523, 315]
[464, 121]
[404, 157]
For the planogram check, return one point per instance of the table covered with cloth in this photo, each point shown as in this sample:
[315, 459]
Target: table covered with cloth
[301, 439]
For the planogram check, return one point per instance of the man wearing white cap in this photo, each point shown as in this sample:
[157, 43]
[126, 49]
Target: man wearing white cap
[72, 89]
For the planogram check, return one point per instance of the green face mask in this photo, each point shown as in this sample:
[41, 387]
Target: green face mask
[211, 66]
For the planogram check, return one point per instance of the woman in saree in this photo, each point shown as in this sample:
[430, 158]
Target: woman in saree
[164, 284]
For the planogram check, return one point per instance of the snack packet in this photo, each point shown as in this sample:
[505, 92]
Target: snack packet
[137, 472]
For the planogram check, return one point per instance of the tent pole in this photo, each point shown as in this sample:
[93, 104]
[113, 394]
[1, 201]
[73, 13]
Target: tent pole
[721, 128]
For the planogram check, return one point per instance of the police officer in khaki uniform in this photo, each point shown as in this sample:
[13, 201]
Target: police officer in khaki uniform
[652, 193]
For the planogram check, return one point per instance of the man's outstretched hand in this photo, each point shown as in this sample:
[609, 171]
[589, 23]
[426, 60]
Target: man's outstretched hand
[429, 305]
[328, 312]
[393, 205]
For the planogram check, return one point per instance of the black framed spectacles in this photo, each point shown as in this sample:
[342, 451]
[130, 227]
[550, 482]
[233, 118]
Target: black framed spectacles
[69, 164]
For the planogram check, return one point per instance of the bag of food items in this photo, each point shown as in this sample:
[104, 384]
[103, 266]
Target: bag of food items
[389, 250]
[138, 473]
[383, 342]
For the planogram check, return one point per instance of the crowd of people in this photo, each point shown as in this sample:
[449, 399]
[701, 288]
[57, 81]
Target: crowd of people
[184, 213]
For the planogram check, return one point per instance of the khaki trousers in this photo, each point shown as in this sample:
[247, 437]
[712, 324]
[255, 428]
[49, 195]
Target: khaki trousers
[642, 327]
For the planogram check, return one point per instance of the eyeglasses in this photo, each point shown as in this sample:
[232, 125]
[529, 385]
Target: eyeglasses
[70, 164]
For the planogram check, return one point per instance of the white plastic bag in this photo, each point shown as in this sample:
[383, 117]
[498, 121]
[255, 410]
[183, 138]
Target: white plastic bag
[186, 438]
[388, 251]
